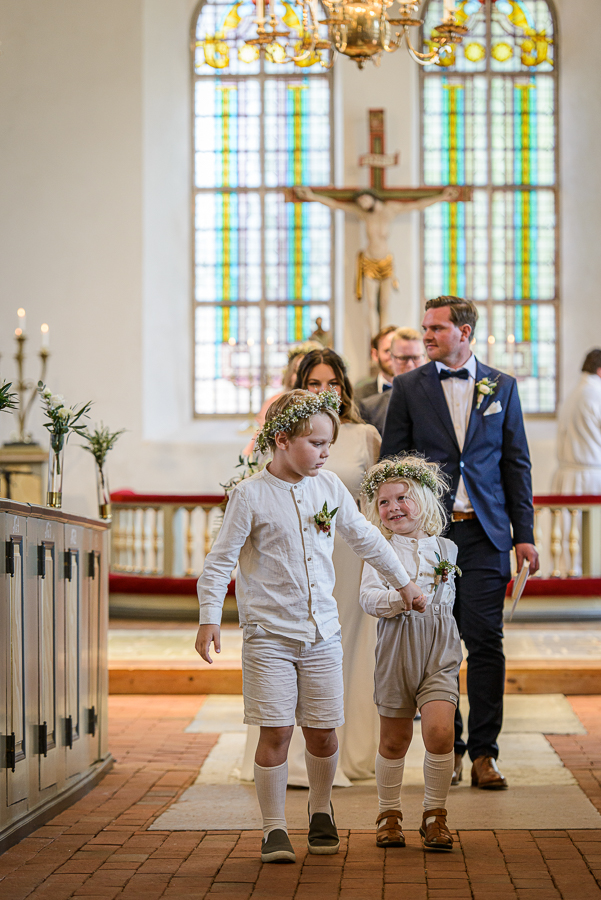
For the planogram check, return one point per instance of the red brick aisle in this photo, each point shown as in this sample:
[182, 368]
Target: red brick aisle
[100, 849]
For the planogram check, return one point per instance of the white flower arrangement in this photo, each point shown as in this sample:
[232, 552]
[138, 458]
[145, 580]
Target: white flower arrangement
[369, 485]
[62, 420]
[295, 413]
[485, 388]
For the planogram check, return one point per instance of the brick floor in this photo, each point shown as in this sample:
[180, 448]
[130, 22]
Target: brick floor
[101, 849]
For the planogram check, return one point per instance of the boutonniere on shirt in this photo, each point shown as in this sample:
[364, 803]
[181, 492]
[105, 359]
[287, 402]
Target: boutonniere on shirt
[444, 569]
[323, 519]
[485, 388]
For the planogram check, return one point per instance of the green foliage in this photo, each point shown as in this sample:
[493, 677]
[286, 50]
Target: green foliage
[62, 420]
[100, 441]
[8, 399]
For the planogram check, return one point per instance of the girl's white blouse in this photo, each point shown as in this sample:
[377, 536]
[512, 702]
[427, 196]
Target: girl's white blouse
[418, 557]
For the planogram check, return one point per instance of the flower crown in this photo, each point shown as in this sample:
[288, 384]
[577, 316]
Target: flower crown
[386, 470]
[304, 409]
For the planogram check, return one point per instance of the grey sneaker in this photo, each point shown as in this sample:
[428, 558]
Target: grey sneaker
[276, 848]
[323, 837]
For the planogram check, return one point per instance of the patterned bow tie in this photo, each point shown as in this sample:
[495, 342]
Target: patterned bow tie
[386, 387]
[452, 373]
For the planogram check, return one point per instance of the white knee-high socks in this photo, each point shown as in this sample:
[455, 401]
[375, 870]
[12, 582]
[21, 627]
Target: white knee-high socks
[320, 771]
[438, 771]
[389, 778]
[270, 783]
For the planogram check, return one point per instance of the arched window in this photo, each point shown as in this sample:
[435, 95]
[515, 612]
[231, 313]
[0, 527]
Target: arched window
[489, 121]
[262, 266]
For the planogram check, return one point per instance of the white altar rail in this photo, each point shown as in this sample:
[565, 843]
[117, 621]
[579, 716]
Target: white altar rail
[567, 531]
[160, 535]
[163, 535]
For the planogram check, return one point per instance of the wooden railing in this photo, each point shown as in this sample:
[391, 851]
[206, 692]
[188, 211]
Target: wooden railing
[165, 535]
[567, 531]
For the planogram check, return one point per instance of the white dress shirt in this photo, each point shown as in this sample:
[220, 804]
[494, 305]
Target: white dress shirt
[419, 559]
[286, 575]
[381, 381]
[459, 394]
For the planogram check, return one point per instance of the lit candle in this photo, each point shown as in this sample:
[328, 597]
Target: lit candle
[260, 11]
[22, 320]
[448, 6]
[45, 336]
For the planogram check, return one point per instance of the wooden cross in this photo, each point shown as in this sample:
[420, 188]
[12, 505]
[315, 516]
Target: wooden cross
[378, 161]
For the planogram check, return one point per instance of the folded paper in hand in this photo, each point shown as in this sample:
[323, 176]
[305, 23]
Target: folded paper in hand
[494, 408]
[518, 585]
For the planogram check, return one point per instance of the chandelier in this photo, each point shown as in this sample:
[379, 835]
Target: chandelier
[359, 29]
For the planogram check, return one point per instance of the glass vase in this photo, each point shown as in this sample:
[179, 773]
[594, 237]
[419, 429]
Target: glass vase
[104, 494]
[56, 457]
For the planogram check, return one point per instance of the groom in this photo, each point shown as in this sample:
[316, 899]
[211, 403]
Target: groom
[446, 411]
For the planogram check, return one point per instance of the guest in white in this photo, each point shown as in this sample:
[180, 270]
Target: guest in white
[579, 433]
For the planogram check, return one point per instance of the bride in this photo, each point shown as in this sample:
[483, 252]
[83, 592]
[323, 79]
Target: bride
[355, 451]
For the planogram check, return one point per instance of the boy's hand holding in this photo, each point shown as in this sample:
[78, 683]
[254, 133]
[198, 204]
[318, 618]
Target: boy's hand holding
[206, 635]
[412, 597]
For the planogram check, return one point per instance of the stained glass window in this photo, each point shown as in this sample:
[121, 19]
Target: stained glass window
[262, 265]
[489, 122]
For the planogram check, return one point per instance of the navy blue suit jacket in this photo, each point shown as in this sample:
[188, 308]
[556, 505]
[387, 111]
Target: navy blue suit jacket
[495, 461]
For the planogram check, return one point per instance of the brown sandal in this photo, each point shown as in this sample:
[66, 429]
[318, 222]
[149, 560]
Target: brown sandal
[436, 835]
[390, 832]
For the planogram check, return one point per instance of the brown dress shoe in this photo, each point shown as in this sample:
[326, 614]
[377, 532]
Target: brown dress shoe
[457, 769]
[486, 775]
[436, 835]
[390, 832]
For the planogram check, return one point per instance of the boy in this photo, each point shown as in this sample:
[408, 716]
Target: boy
[279, 524]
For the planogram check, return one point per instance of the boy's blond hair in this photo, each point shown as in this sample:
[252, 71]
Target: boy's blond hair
[426, 486]
[296, 422]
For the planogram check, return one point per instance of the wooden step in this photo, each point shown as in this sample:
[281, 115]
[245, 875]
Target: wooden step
[225, 677]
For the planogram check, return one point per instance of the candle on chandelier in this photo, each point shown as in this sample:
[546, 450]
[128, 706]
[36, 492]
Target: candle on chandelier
[449, 7]
[260, 11]
[45, 336]
[22, 319]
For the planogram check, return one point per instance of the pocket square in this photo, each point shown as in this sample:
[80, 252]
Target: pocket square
[494, 408]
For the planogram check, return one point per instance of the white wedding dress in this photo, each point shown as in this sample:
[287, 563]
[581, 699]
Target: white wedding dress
[357, 448]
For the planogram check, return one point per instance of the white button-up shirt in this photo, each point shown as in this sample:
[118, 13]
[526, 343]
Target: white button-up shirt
[419, 559]
[286, 575]
[459, 394]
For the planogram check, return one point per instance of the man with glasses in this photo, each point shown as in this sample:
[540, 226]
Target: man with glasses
[406, 353]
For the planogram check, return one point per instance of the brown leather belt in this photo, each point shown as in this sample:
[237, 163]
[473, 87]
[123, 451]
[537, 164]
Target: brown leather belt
[462, 516]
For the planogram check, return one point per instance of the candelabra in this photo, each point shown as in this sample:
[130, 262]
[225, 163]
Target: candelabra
[25, 388]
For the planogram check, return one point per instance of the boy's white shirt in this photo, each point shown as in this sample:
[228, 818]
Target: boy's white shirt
[419, 559]
[286, 575]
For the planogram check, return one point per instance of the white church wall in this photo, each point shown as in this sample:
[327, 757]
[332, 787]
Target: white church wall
[96, 223]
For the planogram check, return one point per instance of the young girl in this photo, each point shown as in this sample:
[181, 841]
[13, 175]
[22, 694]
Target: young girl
[418, 653]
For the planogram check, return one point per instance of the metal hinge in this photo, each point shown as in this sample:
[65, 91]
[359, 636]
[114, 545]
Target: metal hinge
[91, 564]
[41, 561]
[68, 565]
[10, 558]
[43, 739]
[10, 753]
[69, 732]
[92, 721]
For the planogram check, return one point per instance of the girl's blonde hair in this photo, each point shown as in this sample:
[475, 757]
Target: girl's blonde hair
[426, 486]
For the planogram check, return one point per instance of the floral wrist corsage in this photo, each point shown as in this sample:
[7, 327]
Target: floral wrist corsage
[484, 388]
[444, 569]
[323, 519]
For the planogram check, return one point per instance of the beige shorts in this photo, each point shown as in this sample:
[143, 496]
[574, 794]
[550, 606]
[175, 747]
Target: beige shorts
[284, 679]
[418, 656]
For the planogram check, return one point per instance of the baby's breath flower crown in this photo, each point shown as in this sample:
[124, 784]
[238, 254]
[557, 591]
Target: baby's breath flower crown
[399, 469]
[306, 408]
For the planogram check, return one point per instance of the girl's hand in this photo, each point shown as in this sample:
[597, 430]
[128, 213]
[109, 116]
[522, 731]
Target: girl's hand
[420, 603]
[208, 634]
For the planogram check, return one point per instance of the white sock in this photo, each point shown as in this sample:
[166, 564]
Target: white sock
[321, 771]
[271, 792]
[389, 777]
[438, 771]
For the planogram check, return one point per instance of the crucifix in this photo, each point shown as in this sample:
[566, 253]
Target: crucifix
[377, 206]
